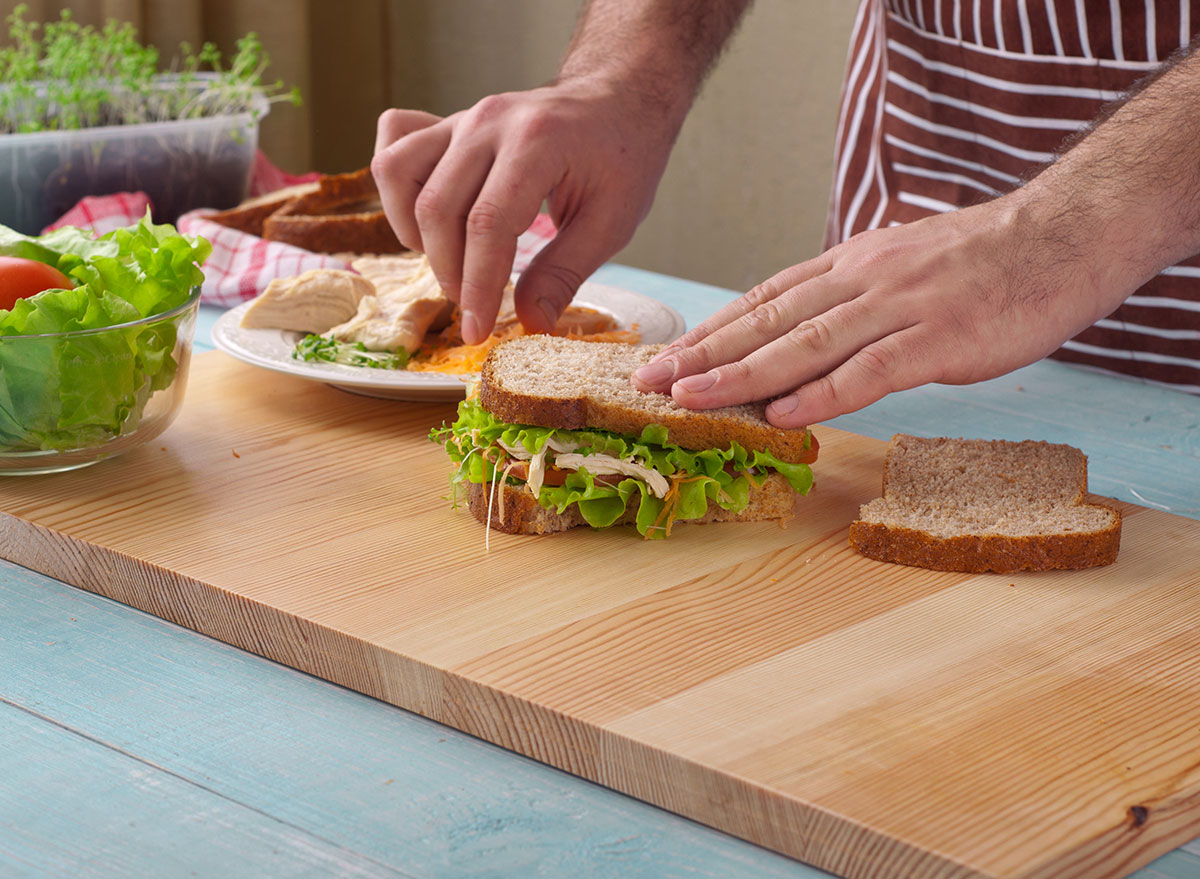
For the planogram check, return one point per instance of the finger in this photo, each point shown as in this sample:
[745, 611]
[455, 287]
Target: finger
[811, 349]
[395, 124]
[507, 204]
[550, 282]
[443, 206]
[400, 171]
[776, 285]
[895, 363]
[761, 316]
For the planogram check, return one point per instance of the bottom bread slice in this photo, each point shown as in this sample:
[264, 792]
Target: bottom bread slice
[515, 510]
[980, 553]
[986, 505]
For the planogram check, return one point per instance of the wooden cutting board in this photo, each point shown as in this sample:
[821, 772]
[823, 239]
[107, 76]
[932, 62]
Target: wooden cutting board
[871, 719]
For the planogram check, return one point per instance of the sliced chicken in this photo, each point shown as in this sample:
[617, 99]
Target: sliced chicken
[407, 303]
[598, 464]
[386, 323]
[309, 303]
[404, 277]
[388, 302]
[386, 272]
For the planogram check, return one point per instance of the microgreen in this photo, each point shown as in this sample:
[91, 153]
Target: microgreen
[66, 76]
[326, 349]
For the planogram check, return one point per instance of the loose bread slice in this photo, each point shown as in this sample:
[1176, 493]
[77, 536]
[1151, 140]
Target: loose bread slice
[518, 511]
[343, 215]
[251, 213]
[550, 381]
[986, 505]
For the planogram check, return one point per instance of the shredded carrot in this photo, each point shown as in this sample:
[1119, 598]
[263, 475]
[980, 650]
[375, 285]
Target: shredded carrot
[440, 354]
[670, 502]
[444, 351]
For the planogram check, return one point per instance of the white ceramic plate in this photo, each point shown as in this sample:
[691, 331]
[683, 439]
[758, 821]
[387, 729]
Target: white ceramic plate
[272, 349]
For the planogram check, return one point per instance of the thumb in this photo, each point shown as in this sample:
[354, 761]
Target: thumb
[553, 277]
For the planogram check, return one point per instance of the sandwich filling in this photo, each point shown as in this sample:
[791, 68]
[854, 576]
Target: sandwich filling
[602, 472]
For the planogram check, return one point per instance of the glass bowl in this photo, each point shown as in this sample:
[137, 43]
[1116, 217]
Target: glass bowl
[71, 399]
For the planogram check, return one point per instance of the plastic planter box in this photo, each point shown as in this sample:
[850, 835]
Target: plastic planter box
[180, 165]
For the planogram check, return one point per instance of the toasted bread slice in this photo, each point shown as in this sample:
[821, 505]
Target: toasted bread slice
[518, 511]
[343, 215]
[551, 381]
[986, 505]
[250, 214]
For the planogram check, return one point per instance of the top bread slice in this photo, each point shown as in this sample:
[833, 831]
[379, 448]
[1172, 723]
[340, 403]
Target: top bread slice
[551, 381]
[986, 505]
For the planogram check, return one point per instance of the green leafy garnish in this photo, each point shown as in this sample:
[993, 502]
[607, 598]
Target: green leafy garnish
[476, 441]
[70, 392]
[326, 349]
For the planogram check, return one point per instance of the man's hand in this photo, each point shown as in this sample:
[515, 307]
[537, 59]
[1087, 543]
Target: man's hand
[592, 145]
[964, 296]
[955, 298]
[462, 189]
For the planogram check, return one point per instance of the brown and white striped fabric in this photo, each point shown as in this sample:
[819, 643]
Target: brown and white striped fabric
[949, 102]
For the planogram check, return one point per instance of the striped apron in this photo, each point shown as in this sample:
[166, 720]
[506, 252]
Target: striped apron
[949, 102]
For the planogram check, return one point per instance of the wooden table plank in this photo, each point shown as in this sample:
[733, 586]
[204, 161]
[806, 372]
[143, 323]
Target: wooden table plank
[386, 785]
[124, 817]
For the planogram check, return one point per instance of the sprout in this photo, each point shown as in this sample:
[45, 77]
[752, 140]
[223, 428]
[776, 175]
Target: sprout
[65, 76]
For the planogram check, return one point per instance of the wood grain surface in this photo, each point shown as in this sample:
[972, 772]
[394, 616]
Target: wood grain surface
[870, 719]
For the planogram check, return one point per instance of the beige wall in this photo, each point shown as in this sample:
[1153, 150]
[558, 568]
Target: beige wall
[746, 192]
[746, 189]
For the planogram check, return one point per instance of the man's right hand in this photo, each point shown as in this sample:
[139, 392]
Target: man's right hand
[461, 189]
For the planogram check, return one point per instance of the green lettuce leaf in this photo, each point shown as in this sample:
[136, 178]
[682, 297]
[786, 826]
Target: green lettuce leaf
[719, 476]
[74, 392]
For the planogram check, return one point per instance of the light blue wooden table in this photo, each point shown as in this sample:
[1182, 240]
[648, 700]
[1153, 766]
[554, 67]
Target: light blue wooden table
[130, 747]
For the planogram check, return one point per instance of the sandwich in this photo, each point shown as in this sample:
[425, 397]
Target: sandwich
[986, 505]
[555, 437]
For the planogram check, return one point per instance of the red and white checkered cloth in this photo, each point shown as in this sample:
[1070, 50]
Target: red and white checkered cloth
[242, 265]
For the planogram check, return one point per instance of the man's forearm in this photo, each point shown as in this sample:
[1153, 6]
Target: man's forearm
[1129, 191]
[661, 49]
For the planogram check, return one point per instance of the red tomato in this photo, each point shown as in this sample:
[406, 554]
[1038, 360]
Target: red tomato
[22, 278]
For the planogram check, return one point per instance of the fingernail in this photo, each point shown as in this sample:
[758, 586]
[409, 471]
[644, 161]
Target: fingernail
[697, 383]
[656, 372]
[470, 328]
[784, 406]
[548, 308]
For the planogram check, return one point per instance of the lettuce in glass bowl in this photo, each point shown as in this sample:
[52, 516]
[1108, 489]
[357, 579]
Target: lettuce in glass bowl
[89, 372]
